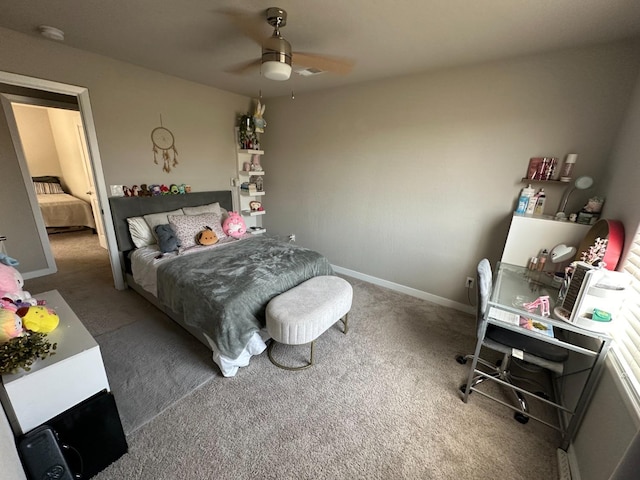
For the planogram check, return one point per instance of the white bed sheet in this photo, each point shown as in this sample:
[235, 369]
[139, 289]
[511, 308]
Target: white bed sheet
[144, 268]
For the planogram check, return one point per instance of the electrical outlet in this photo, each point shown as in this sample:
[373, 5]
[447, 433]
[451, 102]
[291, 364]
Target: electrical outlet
[469, 283]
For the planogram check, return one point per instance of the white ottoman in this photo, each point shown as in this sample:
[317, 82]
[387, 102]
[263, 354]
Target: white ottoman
[305, 312]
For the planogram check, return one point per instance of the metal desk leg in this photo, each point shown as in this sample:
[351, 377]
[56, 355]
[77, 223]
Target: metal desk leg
[474, 363]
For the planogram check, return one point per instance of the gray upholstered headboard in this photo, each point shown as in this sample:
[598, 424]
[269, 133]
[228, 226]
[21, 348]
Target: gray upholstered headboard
[125, 207]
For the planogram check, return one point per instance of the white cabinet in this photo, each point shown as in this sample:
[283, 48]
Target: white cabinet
[60, 381]
[528, 235]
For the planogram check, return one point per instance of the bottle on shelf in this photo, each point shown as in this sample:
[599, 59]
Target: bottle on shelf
[525, 196]
[540, 200]
[542, 259]
[531, 204]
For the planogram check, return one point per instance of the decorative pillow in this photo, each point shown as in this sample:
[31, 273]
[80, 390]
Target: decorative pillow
[161, 218]
[42, 187]
[200, 209]
[187, 227]
[140, 232]
[167, 239]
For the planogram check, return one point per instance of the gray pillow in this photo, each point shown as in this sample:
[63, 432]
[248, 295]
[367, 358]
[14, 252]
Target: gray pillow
[167, 238]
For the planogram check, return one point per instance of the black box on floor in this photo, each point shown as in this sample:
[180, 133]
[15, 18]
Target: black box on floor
[93, 433]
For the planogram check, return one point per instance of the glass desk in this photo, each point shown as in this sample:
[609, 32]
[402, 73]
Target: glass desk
[512, 287]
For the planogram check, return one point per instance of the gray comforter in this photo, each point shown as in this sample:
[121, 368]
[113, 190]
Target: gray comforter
[224, 291]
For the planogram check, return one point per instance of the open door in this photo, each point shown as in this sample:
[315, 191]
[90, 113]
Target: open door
[91, 188]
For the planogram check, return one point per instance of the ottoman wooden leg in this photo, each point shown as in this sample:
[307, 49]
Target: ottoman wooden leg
[277, 364]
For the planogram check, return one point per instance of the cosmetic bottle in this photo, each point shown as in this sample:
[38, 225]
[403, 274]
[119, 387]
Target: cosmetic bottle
[525, 196]
[540, 199]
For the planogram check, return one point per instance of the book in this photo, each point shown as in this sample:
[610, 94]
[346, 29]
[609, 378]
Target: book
[536, 326]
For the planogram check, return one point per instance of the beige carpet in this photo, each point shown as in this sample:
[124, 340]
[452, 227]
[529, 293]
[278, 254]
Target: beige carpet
[381, 403]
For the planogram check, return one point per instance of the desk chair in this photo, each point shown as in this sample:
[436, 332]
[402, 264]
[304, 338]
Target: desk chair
[536, 352]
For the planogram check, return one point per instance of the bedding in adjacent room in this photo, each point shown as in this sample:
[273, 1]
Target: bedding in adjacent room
[60, 209]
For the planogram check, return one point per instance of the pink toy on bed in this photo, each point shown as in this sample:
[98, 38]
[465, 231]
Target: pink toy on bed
[234, 225]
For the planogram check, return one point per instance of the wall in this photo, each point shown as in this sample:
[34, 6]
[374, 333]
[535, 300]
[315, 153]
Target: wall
[413, 180]
[65, 132]
[50, 143]
[612, 418]
[37, 140]
[127, 103]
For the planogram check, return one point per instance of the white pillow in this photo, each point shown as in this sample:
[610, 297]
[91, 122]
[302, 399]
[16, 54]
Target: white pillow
[210, 208]
[188, 226]
[140, 232]
[155, 219]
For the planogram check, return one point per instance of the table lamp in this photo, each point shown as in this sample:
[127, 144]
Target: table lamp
[581, 183]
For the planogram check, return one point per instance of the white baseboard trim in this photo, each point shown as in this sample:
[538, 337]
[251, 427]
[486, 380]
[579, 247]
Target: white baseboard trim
[445, 302]
[564, 465]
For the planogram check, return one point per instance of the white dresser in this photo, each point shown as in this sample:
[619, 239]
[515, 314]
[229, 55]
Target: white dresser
[60, 381]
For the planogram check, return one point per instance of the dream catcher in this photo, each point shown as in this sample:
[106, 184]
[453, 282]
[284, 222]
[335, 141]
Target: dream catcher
[164, 141]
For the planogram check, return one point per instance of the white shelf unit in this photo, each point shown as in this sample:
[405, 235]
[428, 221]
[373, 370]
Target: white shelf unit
[253, 213]
[252, 218]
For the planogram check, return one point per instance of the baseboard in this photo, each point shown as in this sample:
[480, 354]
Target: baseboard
[445, 302]
[564, 468]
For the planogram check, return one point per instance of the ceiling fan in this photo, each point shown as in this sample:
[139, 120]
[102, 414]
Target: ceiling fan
[277, 57]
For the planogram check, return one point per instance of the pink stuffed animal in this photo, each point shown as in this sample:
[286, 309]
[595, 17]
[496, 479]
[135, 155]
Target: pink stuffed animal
[11, 283]
[234, 225]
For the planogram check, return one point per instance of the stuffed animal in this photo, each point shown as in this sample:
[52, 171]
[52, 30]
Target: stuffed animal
[144, 190]
[167, 239]
[234, 225]
[258, 121]
[206, 237]
[39, 319]
[11, 283]
[10, 325]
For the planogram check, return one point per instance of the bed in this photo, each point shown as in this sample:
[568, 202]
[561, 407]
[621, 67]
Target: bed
[218, 293]
[60, 209]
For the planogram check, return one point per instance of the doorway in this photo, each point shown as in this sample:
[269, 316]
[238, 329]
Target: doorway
[27, 241]
[54, 147]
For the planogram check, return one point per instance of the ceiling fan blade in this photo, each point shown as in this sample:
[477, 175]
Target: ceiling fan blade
[250, 24]
[245, 67]
[338, 65]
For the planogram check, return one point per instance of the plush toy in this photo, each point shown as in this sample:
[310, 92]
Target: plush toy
[173, 188]
[39, 319]
[234, 225]
[11, 283]
[167, 239]
[144, 190]
[206, 237]
[10, 325]
[258, 121]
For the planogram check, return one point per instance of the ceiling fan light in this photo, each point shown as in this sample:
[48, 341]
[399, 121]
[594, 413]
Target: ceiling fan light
[274, 70]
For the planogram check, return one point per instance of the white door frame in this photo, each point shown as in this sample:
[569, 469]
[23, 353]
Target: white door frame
[82, 95]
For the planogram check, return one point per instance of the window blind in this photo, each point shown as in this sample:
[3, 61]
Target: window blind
[626, 333]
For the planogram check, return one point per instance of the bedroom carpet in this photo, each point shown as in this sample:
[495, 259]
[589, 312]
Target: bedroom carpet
[381, 402]
[151, 364]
